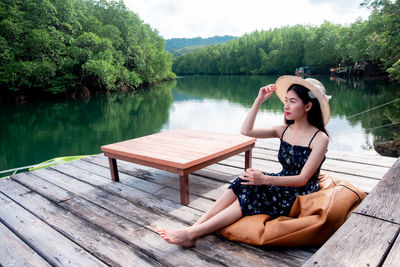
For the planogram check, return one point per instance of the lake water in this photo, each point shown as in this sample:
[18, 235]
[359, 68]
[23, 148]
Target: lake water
[34, 132]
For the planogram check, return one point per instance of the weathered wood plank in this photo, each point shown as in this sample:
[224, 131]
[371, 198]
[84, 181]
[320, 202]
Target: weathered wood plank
[104, 246]
[205, 248]
[393, 259]
[14, 252]
[363, 183]
[337, 165]
[205, 245]
[153, 177]
[84, 182]
[361, 241]
[133, 234]
[370, 159]
[199, 203]
[150, 184]
[48, 243]
[199, 186]
[383, 201]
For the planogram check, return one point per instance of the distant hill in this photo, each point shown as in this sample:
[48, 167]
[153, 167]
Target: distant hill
[179, 46]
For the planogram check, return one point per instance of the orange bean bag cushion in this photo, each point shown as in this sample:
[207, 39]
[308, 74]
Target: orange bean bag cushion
[313, 218]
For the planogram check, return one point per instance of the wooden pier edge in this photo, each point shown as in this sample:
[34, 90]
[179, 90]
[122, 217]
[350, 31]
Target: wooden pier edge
[370, 237]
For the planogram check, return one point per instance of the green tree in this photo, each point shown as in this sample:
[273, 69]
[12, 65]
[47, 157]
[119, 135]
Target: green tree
[384, 35]
[59, 46]
[282, 50]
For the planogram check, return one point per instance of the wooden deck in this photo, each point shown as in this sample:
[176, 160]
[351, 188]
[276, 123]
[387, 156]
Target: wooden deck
[370, 237]
[74, 214]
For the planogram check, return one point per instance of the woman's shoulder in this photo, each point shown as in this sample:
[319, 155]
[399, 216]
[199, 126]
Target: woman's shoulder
[280, 129]
[320, 139]
[322, 135]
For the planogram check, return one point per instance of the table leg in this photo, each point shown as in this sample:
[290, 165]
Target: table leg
[247, 159]
[184, 188]
[113, 169]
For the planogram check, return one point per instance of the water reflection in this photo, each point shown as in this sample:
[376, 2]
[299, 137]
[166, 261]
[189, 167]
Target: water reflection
[33, 133]
[220, 103]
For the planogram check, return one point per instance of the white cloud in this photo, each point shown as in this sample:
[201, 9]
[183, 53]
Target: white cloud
[179, 18]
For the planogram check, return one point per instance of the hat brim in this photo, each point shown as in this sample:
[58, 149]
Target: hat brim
[283, 83]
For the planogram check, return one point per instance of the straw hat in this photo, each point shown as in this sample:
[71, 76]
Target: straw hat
[317, 91]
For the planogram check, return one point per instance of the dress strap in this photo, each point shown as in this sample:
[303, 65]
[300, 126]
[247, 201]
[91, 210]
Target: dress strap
[284, 131]
[313, 137]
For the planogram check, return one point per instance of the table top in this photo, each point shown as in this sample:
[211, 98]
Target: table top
[180, 148]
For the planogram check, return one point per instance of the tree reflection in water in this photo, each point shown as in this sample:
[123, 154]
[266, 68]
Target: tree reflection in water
[350, 99]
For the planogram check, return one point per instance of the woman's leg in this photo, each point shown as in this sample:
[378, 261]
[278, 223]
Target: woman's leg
[227, 198]
[187, 237]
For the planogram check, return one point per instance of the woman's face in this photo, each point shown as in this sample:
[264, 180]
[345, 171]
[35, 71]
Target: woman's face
[294, 106]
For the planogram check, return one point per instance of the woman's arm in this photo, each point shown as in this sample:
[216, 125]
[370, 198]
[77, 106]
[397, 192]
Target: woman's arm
[248, 124]
[319, 147]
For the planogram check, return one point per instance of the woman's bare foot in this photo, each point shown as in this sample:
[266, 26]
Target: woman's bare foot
[181, 237]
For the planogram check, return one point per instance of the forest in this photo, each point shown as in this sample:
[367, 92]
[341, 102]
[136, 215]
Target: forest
[179, 46]
[281, 50]
[77, 46]
[70, 47]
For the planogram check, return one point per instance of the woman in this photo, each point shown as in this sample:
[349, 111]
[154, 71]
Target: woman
[304, 142]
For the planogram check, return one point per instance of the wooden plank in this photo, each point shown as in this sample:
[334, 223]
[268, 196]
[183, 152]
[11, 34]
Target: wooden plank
[348, 170]
[139, 178]
[106, 247]
[109, 248]
[376, 160]
[383, 201]
[229, 172]
[154, 178]
[48, 243]
[209, 245]
[203, 191]
[196, 202]
[373, 160]
[337, 165]
[361, 241]
[86, 182]
[393, 259]
[14, 252]
[363, 183]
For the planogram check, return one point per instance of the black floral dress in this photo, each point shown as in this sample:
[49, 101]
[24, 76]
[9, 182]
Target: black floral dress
[277, 200]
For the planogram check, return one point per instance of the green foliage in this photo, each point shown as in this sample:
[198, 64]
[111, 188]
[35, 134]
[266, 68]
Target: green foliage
[186, 49]
[394, 71]
[384, 34]
[62, 45]
[282, 50]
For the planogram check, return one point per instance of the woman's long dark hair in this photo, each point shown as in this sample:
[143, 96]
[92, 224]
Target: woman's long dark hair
[314, 115]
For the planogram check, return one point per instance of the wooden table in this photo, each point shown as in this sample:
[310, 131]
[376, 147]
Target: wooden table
[179, 151]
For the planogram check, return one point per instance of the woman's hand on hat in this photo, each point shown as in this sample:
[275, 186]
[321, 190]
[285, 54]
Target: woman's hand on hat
[252, 177]
[266, 92]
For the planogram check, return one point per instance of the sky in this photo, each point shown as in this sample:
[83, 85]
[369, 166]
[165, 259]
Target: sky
[207, 18]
